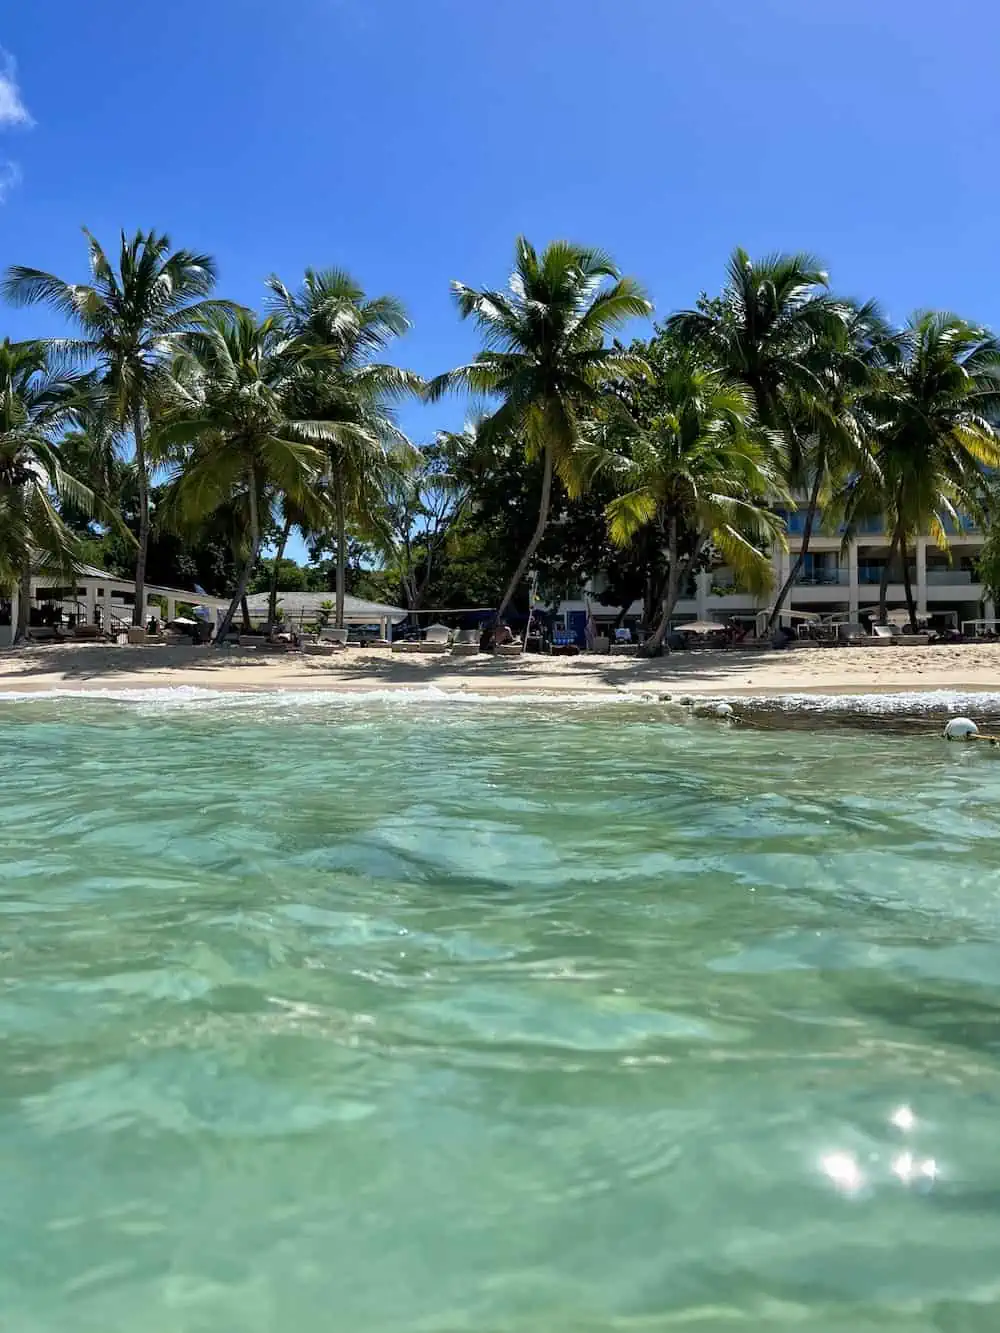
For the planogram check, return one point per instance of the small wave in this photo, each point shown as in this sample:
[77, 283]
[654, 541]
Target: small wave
[903, 701]
[187, 696]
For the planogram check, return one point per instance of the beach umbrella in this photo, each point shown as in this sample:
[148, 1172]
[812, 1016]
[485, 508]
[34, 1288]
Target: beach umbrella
[701, 627]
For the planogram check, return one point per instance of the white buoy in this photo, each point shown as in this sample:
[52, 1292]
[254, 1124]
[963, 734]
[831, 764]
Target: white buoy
[713, 710]
[960, 729]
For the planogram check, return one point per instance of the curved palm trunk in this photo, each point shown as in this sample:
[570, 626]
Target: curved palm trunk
[142, 474]
[543, 517]
[799, 560]
[23, 604]
[675, 577]
[883, 587]
[911, 604]
[241, 588]
[341, 553]
[272, 600]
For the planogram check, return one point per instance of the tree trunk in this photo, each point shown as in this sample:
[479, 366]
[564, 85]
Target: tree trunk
[341, 553]
[244, 582]
[799, 560]
[525, 561]
[245, 614]
[911, 605]
[23, 604]
[883, 587]
[272, 601]
[143, 480]
[654, 644]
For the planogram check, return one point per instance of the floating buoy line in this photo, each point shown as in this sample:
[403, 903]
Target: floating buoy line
[960, 729]
[965, 730]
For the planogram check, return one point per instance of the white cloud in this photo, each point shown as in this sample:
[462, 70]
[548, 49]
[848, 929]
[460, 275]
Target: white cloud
[12, 109]
[10, 177]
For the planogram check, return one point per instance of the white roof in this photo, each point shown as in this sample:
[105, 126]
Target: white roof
[91, 574]
[356, 609]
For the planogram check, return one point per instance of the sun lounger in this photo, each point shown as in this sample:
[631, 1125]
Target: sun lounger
[884, 634]
[466, 643]
[852, 632]
[507, 649]
[436, 640]
[330, 634]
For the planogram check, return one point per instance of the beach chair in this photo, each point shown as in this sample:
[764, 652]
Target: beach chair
[336, 638]
[466, 643]
[852, 632]
[624, 644]
[564, 643]
[436, 640]
[882, 634]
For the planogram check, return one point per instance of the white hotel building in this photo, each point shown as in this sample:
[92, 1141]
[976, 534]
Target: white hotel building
[834, 581]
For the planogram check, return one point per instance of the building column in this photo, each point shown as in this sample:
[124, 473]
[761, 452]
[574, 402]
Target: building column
[702, 589]
[108, 613]
[171, 609]
[91, 603]
[922, 576]
[383, 628]
[853, 585]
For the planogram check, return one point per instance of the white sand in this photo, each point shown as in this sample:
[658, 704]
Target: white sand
[846, 670]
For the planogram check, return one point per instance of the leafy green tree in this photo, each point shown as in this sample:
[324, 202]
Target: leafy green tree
[700, 472]
[229, 412]
[545, 358]
[351, 393]
[36, 403]
[128, 323]
[936, 412]
[773, 329]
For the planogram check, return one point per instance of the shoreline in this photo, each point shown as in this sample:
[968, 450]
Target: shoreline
[777, 677]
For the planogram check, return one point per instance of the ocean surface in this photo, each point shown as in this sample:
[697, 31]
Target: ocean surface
[420, 1015]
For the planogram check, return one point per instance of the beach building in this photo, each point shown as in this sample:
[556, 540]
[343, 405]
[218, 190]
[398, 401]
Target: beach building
[299, 608]
[97, 599]
[834, 581]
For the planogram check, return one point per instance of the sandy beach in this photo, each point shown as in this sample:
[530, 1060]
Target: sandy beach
[806, 670]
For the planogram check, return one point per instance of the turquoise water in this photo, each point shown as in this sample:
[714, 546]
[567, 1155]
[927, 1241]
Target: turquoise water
[399, 1016]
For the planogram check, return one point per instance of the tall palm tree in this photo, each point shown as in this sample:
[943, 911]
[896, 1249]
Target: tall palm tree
[128, 321]
[341, 330]
[702, 474]
[772, 329]
[36, 404]
[229, 428]
[545, 358]
[937, 410]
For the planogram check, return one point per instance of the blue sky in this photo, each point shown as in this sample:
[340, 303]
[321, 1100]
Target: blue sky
[411, 140]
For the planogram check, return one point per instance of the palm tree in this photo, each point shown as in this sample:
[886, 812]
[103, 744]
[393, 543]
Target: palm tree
[772, 329]
[128, 321]
[228, 415]
[936, 410]
[545, 358]
[36, 404]
[340, 330]
[702, 474]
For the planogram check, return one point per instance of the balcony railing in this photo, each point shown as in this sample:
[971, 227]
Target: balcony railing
[823, 578]
[941, 578]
